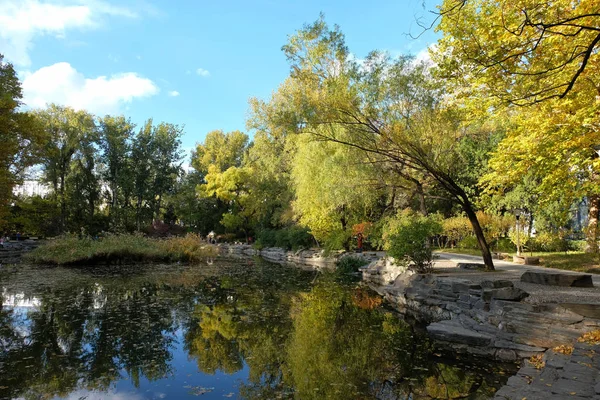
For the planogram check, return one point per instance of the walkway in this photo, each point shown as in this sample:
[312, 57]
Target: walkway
[445, 265]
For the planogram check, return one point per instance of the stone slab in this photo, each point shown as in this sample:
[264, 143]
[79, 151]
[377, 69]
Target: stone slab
[453, 332]
[589, 310]
[557, 279]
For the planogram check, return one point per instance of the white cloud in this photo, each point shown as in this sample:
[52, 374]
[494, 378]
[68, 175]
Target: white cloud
[203, 73]
[62, 84]
[23, 20]
[424, 57]
[173, 93]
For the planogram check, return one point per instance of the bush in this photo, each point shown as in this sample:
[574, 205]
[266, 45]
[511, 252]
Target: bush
[407, 239]
[291, 238]
[455, 229]
[337, 240]
[346, 268]
[468, 242]
[504, 245]
[577, 245]
[547, 241]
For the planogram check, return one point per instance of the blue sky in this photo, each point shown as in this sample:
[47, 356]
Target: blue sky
[193, 63]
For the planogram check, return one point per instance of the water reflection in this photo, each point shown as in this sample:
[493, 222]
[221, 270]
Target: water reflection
[251, 331]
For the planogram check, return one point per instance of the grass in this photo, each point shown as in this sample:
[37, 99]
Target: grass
[578, 261]
[119, 249]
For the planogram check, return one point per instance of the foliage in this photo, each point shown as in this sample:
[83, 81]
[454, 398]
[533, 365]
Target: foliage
[549, 242]
[389, 111]
[71, 250]
[520, 51]
[291, 238]
[468, 242]
[407, 239]
[346, 268]
[592, 337]
[20, 135]
[455, 229]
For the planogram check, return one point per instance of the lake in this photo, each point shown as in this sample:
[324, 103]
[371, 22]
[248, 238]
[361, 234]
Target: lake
[244, 329]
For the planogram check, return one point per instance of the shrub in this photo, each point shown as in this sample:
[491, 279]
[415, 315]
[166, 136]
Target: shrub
[577, 245]
[504, 245]
[456, 229]
[346, 268]
[524, 238]
[336, 240]
[291, 238]
[468, 242]
[407, 239]
[547, 241]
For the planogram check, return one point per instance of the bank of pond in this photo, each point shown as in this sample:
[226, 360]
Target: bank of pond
[240, 328]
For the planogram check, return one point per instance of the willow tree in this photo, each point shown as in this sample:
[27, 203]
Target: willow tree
[390, 110]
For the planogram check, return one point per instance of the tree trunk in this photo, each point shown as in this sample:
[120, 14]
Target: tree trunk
[421, 195]
[592, 228]
[63, 206]
[483, 245]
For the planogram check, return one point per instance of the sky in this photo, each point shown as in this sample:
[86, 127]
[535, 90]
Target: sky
[193, 63]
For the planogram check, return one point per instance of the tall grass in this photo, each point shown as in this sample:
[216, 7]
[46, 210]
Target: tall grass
[118, 249]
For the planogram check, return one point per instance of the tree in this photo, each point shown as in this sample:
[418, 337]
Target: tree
[390, 111]
[166, 162]
[70, 134]
[116, 134]
[521, 51]
[335, 189]
[20, 134]
[220, 149]
[542, 57]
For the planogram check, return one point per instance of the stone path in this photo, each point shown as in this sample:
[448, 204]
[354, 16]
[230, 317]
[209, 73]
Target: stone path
[574, 376]
[445, 265]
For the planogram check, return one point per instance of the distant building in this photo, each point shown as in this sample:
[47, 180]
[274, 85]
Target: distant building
[31, 188]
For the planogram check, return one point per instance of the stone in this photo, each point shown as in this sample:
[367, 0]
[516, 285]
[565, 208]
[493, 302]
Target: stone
[526, 260]
[585, 309]
[453, 332]
[568, 386]
[506, 355]
[509, 293]
[505, 344]
[472, 266]
[557, 279]
[500, 283]
[458, 287]
[556, 360]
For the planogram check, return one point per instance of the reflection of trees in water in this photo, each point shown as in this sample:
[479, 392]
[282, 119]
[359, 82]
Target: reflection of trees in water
[297, 339]
[82, 337]
[328, 343]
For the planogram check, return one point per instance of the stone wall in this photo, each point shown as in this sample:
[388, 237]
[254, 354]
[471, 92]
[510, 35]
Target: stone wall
[312, 257]
[486, 319]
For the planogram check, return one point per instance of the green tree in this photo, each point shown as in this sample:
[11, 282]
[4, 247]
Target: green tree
[116, 134]
[71, 134]
[390, 110]
[20, 134]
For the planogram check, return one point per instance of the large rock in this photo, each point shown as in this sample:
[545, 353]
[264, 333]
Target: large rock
[584, 309]
[557, 279]
[450, 331]
[509, 293]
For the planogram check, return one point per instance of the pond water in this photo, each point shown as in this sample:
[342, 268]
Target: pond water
[235, 329]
